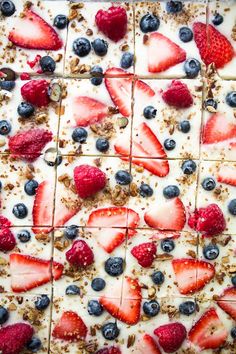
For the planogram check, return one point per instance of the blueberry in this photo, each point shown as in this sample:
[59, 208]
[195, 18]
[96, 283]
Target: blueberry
[102, 144]
[187, 308]
[208, 184]
[184, 126]
[34, 344]
[98, 284]
[149, 23]
[158, 277]
[192, 67]
[96, 81]
[233, 280]
[4, 315]
[145, 190]
[60, 21]
[42, 302]
[95, 308]
[96, 71]
[171, 192]
[0, 185]
[231, 99]
[100, 47]
[217, 19]
[127, 60]
[7, 85]
[185, 34]
[169, 144]
[72, 290]
[31, 187]
[114, 266]
[25, 109]
[210, 103]
[81, 47]
[149, 112]
[189, 167]
[232, 207]
[47, 64]
[123, 177]
[233, 332]
[79, 135]
[24, 236]
[20, 211]
[151, 308]
[7, 8]
[110, 331]
[167, 245]
[5, 127]
[211, 251]
[174, 7]
[71, 232]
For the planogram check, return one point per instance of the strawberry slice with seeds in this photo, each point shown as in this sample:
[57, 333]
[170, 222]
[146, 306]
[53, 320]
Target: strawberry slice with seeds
[142, 91]
[227, 301]
[170, 215]
[218, 128]
[227, 175]
[163, 53]
[109, 238]
[146, 345]
[163, 234]
[192, 274]
[63, 214]
[39, 34]
[30, 272]
[113, 217]
[88, 111]
[208, 332]
[70, 327]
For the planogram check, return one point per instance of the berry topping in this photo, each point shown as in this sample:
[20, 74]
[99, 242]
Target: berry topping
[5, 127]
[34, 344]
[171, 336]
[7, 239]
[158, 277]
[151, 308]
[4, 222]
[71, 232]
[98, 284]
[217, 19]
[218, 128]
[81, 47]
[149, 112]
[42, 302]
[110, 350]
[4, 315]
[192, 67]
[94, 308]
[102, 144]
[178, 95]
[189, 167]
[146, 344]
[208, 184]
[187, 308]
[167, 245]
[123, 177]
[47, 64]
[14, 337]
[36, 92]
[231, 99]
[7, 8]
[227, 175]
[24, 236]
[72, 290]
[80, 254]
[232, 207]
[100, 47]
[173, 7]
[114, 266]
[127, 60]
[20, 211]
[227, 302]
[7, 85]
[211, 251]
[185, 34]
[70, 327]
[170, 192]
[149, 23]
[169, 144]
[88, 111]
[110, 331]
[60, 21]
[79, 135]
[184, 126]
[113, 22]
[25, 109]
[145, 190]
[210, 103]
[145, 253]
[31, 187]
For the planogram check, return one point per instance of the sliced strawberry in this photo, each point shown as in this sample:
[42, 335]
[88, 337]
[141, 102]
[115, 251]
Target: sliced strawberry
[63, 214]
[70, 327]
[227, 175]
[146, 345]
[170, 215]
[142, 91]
[208, 332]
[109, 238]
[163, 53]
[113, 217]
[192, 274]
[88, 111]
[162, 235]
[227, 301]
[39, 34]
[218, 128]
[30, 272]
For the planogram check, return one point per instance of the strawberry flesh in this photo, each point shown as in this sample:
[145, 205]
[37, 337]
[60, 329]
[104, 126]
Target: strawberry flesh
[80, 254]
[227, 175]
[113, 217]
[146, 344]
[171, 336]
[145, 253]
[36, 92]
[14, 337]
[110, 350]
[113, 22]
[218, 128]
[178, 95]
[88, 111]
[227, 301]
[70, 327]
[7, 239]
[89, 180]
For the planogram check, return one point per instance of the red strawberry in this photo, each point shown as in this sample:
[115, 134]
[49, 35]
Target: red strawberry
[62, 214]
[110, 350]
[70, 327]
[88, 180]
[208, 332]
[142, 91]
[109, 238]
[146, 345]
[227, 301]
[80, 254]
[192, 274]
[113, 22]
[7, 239]
[163, 234]
[14, 337]
[36, 92]
[163, 53]
[227, 175]
[88, 111]
[30, 272]
[4, 222]
[28, 144]
[209, 221]
[128, 311]
[170, 215]
[113, 217]
[178, 95]
[171, 336]
[39, 34]
[145, 253]
[218, 128]
[213, 46]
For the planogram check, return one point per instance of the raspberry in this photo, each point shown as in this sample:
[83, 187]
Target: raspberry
[14, 337]
[210, 220]
[178, 95]
[24, 76]
[4, 222]
[110, 350]
[113, 22]
[171, 336]
[7, 239]
[80, 254]
[36, 92]
[145, 253]
[88, 180]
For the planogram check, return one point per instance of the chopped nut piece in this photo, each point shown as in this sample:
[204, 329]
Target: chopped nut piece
[131, 340]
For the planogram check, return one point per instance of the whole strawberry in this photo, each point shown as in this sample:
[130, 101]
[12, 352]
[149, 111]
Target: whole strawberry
[145, 253]
[80, 254]
[110, 350]
[36, 92]
[88, 180]
[171, 336]
[113, 22]
[14, 337]
[210, 220]
[7, 239]
[178, 95]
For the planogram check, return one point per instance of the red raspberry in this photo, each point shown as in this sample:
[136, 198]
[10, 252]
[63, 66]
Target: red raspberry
[110, 350]
[145, 253]
[7, 239]
[88, 180]
[113, 22]
[24, 76]
[210, 220]
[14, 337]
[4, 222]
[178, 95]
[171, 336]
[80, 254]
[36, 92]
